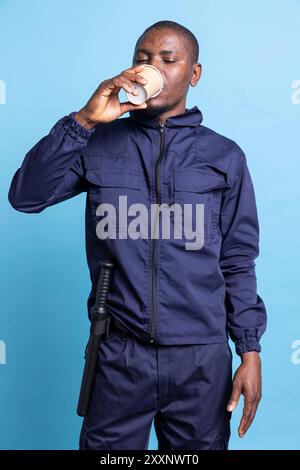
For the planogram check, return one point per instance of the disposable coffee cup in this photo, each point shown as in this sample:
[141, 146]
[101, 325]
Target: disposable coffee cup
[151, 89]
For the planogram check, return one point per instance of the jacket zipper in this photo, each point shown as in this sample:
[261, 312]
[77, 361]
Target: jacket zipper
[155, 241]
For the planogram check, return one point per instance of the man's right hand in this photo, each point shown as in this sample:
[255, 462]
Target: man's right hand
[104, 105]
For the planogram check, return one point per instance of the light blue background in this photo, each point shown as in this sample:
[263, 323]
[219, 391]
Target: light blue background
[53, 54]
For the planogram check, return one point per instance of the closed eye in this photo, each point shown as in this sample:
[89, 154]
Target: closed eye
[165, 60]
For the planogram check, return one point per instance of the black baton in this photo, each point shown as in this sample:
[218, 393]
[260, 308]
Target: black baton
[100, 320]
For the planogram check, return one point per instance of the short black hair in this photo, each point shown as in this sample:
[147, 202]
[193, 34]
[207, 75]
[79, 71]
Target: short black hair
[178, 28]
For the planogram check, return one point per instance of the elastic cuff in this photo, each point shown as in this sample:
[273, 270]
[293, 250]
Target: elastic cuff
[73, 128]
[247, 345]
[77, 128]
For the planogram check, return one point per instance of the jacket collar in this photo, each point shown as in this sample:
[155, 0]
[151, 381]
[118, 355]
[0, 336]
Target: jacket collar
[190, 117]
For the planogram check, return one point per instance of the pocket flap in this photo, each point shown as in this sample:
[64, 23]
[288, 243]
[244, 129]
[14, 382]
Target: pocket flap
[199, 180]
[111, 172]
[105, 161]
[114, 178]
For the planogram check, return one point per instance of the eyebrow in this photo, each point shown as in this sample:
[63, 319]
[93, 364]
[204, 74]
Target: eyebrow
[160, 52]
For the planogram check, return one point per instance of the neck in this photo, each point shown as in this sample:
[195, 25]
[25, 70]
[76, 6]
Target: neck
[179, 108]
[144, 114]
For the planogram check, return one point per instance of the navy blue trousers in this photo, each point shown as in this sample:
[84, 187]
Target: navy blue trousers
[184, 388]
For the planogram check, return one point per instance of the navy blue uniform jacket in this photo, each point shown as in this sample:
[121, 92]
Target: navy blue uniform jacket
[161, 291]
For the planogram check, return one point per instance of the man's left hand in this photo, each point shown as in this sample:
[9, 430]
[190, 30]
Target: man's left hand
[247, 381]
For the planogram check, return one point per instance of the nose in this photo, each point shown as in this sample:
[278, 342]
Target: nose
[155, 63]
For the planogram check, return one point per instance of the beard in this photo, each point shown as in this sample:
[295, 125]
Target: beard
[151, 112]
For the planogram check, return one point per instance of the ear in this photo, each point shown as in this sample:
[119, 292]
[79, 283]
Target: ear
[197, 70]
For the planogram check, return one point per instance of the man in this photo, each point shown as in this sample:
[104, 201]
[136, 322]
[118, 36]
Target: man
[174, 303]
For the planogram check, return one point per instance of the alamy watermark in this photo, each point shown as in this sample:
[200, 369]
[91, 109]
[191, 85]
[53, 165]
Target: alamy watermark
[295, 96]
[2, 92]
[2, 352]
[295, 357]
[138, 227]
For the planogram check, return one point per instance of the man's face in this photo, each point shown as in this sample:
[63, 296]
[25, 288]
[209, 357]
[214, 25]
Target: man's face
[168, 52]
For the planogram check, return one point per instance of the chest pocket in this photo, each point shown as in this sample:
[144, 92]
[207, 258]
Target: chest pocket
[202, 187]
[118, 187]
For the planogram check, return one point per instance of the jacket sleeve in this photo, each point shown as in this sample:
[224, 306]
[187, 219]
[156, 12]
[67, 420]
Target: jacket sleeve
[52, 171]
[246, 312]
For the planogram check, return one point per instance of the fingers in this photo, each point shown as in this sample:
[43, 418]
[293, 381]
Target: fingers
[127, 106]
[122, 82]
[250, 407]
[134, 78]
[126, 82]
[114, 85]
[235, 395]
[135, 68]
